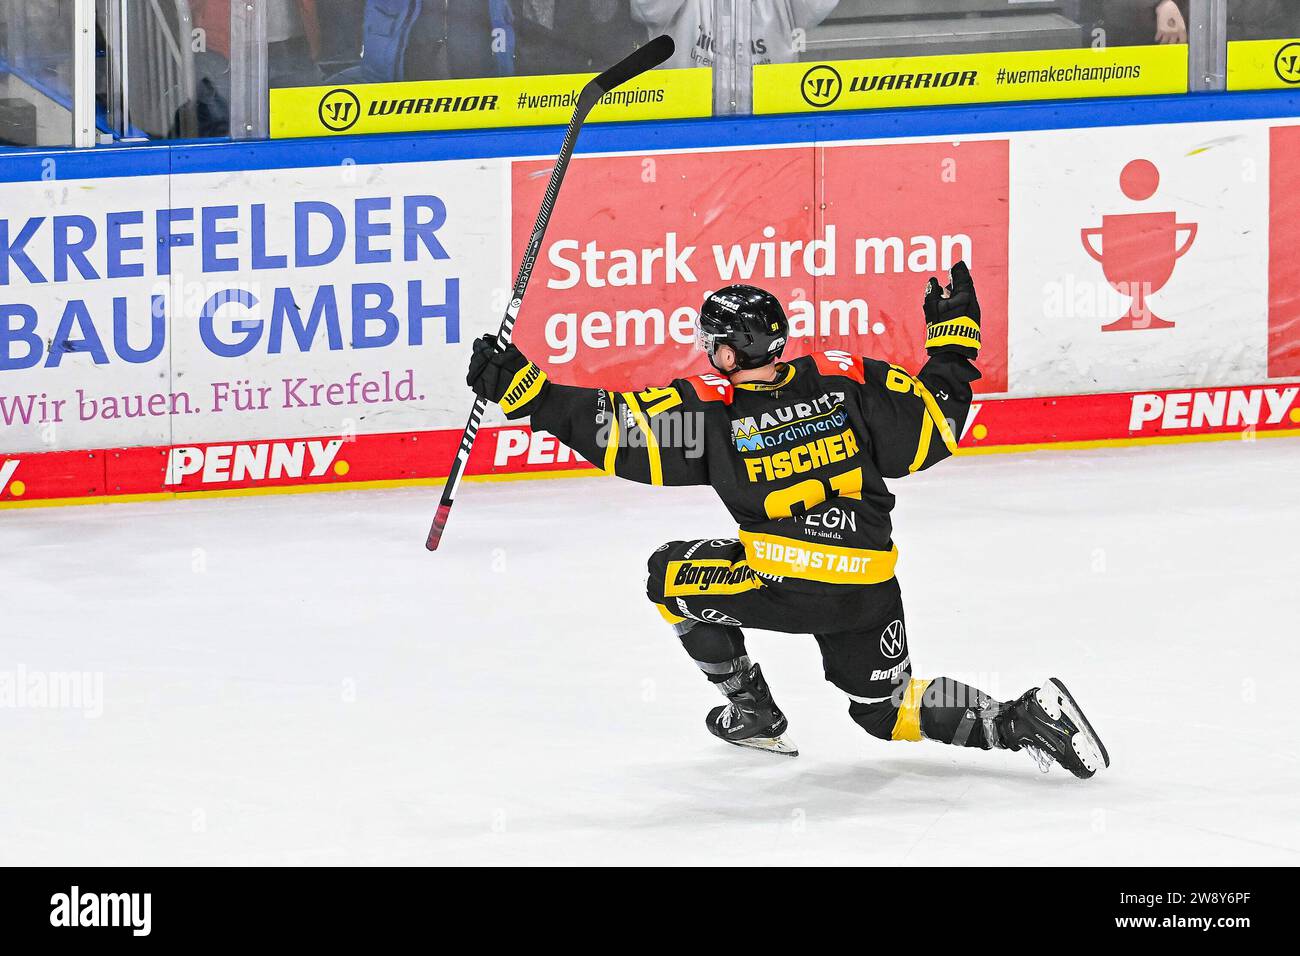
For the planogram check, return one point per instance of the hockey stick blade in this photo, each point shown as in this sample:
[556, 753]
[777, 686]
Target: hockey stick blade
[437, 528]
[645, 58]
[639, 61]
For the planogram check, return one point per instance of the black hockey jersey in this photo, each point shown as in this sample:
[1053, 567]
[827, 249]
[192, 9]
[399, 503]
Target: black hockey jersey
[799, 462]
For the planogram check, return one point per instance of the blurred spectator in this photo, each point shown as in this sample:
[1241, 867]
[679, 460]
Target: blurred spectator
[340, 45]
[292, 35]
[1143, 22]
[36, 73]
[574, 36]
[292, 43]
[433, 40]
[1263, 19]
[1171, 23]
[772, 27]
[211, 69]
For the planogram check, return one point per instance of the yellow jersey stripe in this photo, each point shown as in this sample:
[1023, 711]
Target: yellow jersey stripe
[611, 449]
[923, 444]
[668, 615]
[812, 561]
[651, 443]
[936, 414]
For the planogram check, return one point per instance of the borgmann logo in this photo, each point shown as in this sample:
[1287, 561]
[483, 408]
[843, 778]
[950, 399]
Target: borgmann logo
[75, 909]
[706, 577]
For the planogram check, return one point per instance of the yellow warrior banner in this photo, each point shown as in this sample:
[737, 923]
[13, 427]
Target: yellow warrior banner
[969, 78]
[482, 103]
[1264, 64]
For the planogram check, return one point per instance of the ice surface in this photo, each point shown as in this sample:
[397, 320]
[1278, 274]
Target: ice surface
[295, 680]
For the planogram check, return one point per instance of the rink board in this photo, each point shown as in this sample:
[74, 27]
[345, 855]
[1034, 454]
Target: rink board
[515, 451]
[224, 318]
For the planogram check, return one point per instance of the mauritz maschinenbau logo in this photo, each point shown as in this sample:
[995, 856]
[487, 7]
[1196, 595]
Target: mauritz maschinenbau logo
[77, 908]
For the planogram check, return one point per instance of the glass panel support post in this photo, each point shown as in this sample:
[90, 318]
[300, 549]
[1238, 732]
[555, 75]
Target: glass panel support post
[84, 133]
[248, 70]
[733, 76]
[1207, 61]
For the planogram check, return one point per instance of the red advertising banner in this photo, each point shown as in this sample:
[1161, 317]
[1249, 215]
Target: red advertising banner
[905, 212]
[515, 450]
[1283, 255]
[233, 467]
[1132, 418]
[845, 236]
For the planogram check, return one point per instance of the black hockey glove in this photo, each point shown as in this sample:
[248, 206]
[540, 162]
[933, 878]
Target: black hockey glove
[952, 314]
[505, 377]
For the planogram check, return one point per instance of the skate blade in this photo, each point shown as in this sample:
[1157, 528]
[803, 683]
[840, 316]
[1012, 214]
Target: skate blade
[782, 746]
[1087, 745]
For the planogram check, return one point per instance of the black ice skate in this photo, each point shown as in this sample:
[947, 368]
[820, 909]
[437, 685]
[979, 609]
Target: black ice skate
[751, 719]
[1048, 723]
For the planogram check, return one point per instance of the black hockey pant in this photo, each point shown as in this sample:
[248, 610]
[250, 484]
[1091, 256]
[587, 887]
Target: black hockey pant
[707, 592]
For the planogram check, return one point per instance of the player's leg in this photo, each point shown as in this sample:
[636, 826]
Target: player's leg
[873, 666]
[703, 589]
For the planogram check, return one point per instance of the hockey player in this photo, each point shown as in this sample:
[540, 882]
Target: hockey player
[798, 452]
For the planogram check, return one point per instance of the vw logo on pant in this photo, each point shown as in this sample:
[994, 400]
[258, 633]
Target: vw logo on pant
[892, 639]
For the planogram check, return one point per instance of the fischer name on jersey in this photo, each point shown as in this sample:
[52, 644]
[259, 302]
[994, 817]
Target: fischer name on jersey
[799, 462]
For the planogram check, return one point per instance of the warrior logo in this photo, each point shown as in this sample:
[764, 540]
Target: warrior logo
[339, 110]
[892, 639]
[516, 395]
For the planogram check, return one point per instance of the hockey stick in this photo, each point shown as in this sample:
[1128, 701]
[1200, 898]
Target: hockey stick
[643, 59]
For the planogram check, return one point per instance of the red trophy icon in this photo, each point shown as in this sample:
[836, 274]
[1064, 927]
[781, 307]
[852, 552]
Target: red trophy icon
[1138, 251]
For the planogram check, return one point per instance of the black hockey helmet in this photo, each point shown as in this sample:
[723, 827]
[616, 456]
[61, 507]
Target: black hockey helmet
[749, 320]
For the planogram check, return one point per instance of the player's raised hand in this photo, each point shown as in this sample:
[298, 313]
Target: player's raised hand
[504, 376]
[952, 314]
